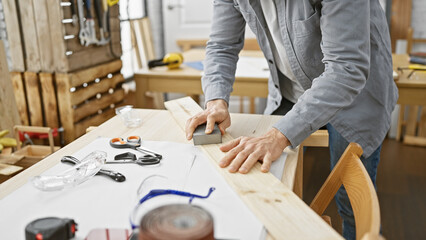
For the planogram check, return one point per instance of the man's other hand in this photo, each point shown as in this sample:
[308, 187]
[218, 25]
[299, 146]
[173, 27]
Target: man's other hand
[243, 152]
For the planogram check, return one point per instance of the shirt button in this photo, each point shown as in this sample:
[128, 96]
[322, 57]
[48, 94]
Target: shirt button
[276, 103]
[276, 86]
[270, 61]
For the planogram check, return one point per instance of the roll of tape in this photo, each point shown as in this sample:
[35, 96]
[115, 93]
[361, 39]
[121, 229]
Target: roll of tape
[177, 221]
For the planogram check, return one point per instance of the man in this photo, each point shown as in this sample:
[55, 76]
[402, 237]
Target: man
[330, 65]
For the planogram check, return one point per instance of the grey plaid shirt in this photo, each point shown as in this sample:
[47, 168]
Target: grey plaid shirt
[338, 50]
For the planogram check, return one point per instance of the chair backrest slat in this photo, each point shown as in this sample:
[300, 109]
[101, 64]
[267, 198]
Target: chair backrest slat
[350, 172]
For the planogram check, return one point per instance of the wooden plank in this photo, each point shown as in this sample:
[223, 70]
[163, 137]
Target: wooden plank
[135, 44]
[6, 169]
[57, 35]
[92, 107]
[298, 176]
[32, 54]
[50, 105]
[20, 97]
[416, 141]
[84, 59]
[43, 35]
[80, 128]
[264, 194]
[90, 74]
[411, 126]
[14, 35]
[9, 112]
[65, 107]
[317, 139]
[400, 122]
[148, 44]
[33, 96]
[104, 85]
[400, 20]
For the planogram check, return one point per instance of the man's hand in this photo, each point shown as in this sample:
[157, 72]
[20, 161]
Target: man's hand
[216, 112]
[244, 152]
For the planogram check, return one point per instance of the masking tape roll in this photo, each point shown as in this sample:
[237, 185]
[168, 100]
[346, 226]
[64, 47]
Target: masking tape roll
[177, 221]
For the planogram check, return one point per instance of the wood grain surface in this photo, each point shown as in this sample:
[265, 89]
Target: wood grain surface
[263, 194]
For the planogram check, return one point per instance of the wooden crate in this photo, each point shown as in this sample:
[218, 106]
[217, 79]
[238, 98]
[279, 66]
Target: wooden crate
[73, 101]
[35, 96]
[41, 42]
[88, 97]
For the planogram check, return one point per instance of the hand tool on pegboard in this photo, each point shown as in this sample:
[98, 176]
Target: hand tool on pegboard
[84, 32]
[90, 24]
[112, 2]
[100, 13]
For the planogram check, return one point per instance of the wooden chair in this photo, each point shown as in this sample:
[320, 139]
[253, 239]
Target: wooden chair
[350, 172]
[141, 36]
[415, 129]
[411, 40]
[317, 139]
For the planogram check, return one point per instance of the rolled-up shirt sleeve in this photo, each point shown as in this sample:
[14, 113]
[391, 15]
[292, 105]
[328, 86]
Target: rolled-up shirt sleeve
[226, 41]
[345, 29]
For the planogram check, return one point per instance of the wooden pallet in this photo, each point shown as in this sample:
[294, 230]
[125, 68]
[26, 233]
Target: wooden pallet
[74, 101]
[41, 42]
[88, 97]
[35, 97]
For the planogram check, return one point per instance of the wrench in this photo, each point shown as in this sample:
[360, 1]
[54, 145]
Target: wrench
[84, 33]
[90, 26]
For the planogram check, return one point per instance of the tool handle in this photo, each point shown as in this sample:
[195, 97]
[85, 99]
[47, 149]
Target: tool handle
[87, 5]
[73, 8]
[98, 9]
[70, 159]
[134, 139]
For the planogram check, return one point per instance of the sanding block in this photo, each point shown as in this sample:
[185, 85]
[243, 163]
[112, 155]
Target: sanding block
[201, 138]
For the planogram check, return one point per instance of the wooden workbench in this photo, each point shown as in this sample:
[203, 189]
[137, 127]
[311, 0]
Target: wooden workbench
[298, 220]
[188, 80]
[412, 92]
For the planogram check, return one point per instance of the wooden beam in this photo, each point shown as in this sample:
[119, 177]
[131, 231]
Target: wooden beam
[90, 74]
[34, 100]
[65, 106]
[317, 139]
[41, 18]
[57, 35]
[92, 107]
[263, 194]
[50, 105]
[104, 85]
[9, 112]
[416, 141]
[14, 35]
[20, 97]
[29, 32]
